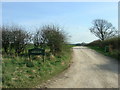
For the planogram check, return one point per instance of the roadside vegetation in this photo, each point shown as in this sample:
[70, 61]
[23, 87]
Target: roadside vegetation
[108, 47]
[21, 71]
[109, 40]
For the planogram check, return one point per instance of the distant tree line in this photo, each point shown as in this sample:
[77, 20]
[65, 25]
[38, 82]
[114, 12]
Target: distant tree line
[15, 39]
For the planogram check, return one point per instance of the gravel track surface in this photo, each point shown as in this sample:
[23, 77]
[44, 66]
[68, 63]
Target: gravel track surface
[89, 69]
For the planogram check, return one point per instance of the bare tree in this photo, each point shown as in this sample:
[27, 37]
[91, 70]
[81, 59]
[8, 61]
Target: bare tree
[103, 29]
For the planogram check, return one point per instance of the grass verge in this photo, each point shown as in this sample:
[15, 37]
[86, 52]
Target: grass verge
[114, 54]
[20, 72]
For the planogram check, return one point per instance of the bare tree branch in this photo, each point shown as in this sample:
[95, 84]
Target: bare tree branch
[102, 29]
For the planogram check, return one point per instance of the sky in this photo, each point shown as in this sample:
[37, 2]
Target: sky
[75, 18]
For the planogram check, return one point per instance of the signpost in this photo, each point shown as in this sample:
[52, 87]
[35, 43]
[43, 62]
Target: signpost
[36, 51]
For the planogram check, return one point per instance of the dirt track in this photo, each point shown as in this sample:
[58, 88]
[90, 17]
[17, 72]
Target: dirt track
[88, 70]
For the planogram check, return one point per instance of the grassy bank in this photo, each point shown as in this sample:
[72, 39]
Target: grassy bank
[109, 47]
[100, 50]
[22, 72]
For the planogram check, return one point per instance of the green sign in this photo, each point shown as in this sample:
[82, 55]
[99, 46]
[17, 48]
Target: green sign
[36, 51]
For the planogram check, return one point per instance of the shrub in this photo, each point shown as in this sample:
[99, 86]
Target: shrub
[14, 37]
[112, 44]
[52, 37]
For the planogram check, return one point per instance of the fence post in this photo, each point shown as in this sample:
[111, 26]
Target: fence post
[110, 48]
[106, 48]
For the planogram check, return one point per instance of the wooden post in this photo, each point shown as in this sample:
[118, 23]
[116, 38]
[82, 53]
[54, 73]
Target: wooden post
[43, 58]
[110, 48]
[106, 48]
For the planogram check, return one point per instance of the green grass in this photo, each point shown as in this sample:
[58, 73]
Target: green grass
[22, 72]
[114, 54]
